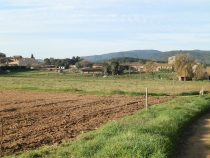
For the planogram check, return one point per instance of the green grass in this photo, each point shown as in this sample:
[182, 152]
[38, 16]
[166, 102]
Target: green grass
[147, 134]
[133, 85]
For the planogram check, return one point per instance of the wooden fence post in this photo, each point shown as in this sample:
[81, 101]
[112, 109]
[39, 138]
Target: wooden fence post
[146, 99]
[1, 139]
[202, 91]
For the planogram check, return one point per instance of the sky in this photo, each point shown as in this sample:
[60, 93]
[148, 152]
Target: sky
[66, 28]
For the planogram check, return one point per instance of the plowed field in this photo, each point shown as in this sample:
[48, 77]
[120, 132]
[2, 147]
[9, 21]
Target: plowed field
[31, 120]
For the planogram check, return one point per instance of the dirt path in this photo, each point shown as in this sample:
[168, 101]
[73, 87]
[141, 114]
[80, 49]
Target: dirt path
[197, 144]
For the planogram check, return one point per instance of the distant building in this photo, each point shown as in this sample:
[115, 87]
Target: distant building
[72, 67]
[61, 67]
[184, 78]
[171, 60]
[20, 61]
[162, 66]
[137, 67]
[97, 66]
[159, 66]
[96, 71]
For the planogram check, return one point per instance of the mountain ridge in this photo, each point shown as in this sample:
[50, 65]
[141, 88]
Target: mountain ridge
[201, 55]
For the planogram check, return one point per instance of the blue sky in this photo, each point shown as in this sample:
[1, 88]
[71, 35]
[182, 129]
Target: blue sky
[66, 28]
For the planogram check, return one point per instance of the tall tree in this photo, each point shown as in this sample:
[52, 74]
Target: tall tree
[184, 65]
[2, 55]
[47, 61]
[32, 56]
[200, 72]
[150, 67]
[114, 67]
[107, 69]
[3, 59]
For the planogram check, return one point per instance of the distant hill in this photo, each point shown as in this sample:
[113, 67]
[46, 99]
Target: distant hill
[140, 54]
[202, 56]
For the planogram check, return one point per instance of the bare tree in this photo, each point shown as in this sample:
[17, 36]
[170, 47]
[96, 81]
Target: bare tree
[200, 72]
[84, 63]
[150, 67]
[184, 65]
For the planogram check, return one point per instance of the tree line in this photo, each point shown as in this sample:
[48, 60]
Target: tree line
[62, 62]
[3, 58]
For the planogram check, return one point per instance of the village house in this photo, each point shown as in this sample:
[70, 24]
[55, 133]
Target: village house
[72, 67]
[171, 60]
[158, 67]
[20, 61]
[94, 71]
[137, 67]
[184, 78]
[163, 66]
[97, 66]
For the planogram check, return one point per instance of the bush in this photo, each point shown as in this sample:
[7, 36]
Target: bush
[13, 68]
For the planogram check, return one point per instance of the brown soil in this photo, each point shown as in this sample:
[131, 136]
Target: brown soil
[197, 144]
[31, 120]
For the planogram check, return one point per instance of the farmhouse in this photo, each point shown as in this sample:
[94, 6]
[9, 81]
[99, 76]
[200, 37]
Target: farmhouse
[137, 67]
[20, 61]
[171, 60]
[163, 66]
[98, 66]
[184, 78]
[72, 67]
[158, 67]
[89, 70]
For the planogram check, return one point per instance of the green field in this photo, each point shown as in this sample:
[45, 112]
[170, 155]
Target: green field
[135, 84]
[147, 134]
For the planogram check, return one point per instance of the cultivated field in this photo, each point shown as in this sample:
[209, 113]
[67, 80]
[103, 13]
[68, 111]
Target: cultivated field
[150, 134]
[31, 120]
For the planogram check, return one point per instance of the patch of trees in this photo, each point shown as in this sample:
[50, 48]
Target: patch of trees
[123, 60]
[150, 67]
[114, 68]
[32, 56]
[62, 62]
[83, 64]
[3, 58]
[2, 55]
[200, 72]
[13, 68]
[186, 66]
